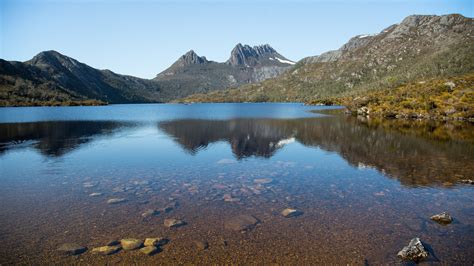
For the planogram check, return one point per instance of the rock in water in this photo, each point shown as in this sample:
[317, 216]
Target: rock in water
[173, 223]
[415, 251]
[131, 243]
[95, 194]
[201, 245]
[89, 184]
[467, 181]
[241, 223]
[155, 241]
[149, 213]
[149, 250]
[106, 250]
[289, 212]
[71, 249]
[116, 200]
[263, 180]
[442, 218]
[166, 209]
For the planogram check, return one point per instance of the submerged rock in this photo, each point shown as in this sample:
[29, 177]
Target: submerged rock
[173, 223]
[415, 251]
[150, 212]
[106, 250]
[263, 180]
[289, 212]
[442, 218]
[201, 245]
[89, 184]
[157, 241]
[131, 243]
[166, 209]
[241, 223]
[71, 249]
[229, 198]
[116, 200]
[149, 250]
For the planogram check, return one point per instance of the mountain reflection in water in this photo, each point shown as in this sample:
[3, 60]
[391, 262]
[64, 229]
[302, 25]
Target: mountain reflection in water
[417, 156]
[53, 138]
[411, 159]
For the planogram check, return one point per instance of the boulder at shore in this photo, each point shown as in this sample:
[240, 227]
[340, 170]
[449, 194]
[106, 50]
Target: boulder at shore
[415, 251]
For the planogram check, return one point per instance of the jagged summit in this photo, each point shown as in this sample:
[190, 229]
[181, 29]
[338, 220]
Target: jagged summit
[191, 58]
[246, 64]
[245, 55]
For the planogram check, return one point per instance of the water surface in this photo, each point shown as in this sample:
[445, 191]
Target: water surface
[365, 187]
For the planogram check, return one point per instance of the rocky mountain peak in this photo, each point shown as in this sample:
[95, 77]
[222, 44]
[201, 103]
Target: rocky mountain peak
[191, 58]
[46, 57]
[431, 24]
[53, 59]
[245, 55]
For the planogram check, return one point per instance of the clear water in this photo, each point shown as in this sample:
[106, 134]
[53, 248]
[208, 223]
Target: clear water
[365, 189]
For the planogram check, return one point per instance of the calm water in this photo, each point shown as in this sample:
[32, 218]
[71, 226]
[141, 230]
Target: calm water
[365, 187]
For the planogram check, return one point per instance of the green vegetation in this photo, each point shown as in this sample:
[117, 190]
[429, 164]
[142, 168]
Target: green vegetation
[27, 95]
[446, 98]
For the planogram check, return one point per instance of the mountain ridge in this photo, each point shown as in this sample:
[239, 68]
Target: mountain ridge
[246, 64]
[419, 47]
[51, 78]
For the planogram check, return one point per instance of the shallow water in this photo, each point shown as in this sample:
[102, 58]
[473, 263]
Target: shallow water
[365, 188]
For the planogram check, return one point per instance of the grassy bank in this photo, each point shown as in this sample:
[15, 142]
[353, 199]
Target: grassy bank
[439, 99]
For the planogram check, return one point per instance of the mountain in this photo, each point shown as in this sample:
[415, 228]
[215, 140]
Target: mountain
[53, 78]
[194, 74]
[420, 47]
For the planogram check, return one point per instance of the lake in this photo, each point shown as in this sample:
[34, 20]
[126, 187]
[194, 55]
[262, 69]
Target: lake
[365, 188]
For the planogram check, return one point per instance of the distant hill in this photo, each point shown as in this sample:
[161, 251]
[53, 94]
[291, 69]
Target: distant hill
[51, 78]
[420, 47]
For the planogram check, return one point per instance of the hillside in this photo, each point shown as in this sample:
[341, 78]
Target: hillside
[51, 78]
[420, 47]
[448, 98]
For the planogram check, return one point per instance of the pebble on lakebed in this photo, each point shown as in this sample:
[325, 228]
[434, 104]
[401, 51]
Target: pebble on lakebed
[89, 184]
[289, 212]
[131, 243]
[201, 245]
[71, 249]
[415, 251]
[173, 223]
[442, 218]
[149, 213]
[263, 180]
[116, 200]
[157, 241]
[149, 250]
[106, 250]
[241, 223]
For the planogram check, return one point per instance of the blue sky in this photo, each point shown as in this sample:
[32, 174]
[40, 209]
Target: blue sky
[142, 38]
